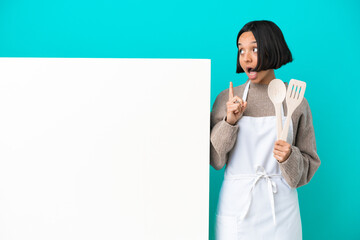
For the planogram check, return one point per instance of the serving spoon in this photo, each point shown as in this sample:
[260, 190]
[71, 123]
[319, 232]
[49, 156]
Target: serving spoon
[277, 92]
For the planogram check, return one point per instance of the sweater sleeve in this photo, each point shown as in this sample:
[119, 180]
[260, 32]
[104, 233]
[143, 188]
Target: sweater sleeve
[303, 161]
[222, 134]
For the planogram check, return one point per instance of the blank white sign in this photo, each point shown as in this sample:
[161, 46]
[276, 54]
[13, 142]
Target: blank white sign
[104, 148]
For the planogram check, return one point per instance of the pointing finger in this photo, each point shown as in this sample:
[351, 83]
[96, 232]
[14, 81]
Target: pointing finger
[231, 91]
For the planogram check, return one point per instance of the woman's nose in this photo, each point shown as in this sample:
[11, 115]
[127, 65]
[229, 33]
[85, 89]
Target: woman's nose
[247, 57]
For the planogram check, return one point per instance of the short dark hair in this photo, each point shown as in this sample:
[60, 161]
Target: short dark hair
[273, 51]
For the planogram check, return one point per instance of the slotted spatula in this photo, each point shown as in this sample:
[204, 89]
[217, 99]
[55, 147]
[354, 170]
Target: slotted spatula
[294, 96]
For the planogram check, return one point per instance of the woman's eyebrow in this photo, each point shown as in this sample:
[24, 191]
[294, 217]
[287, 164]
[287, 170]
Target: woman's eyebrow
[251, 42]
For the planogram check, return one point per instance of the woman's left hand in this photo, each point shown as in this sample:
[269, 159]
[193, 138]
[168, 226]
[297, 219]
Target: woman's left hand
[282, 150]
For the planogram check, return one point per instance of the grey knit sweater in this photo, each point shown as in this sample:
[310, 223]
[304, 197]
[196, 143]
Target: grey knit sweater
[303, 161]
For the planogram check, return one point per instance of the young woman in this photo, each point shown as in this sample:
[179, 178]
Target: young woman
[258, 198]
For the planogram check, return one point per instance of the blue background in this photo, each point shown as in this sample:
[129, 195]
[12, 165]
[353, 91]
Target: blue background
[322, 35]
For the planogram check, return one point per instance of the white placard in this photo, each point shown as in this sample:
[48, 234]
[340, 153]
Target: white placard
[104, 148]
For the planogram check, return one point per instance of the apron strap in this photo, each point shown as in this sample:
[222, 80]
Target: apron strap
[246, 90]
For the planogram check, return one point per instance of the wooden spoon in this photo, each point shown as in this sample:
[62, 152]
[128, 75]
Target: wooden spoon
[277, 92]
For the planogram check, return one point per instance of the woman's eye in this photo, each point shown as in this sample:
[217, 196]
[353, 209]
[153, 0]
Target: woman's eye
[255, 49]
[241, 51]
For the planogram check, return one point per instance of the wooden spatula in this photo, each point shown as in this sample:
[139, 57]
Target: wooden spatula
[294, 96]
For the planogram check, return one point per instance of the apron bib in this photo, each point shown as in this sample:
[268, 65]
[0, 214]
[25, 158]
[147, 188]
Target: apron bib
[255, 201]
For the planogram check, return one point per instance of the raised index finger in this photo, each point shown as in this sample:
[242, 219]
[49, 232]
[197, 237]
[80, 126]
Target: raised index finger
[231, 91]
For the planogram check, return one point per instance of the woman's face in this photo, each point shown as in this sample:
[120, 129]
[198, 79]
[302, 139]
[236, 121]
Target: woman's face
[248, 59]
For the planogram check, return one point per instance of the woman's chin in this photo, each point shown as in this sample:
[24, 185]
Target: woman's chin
[262, 77]
[260, 80]
[254, 77]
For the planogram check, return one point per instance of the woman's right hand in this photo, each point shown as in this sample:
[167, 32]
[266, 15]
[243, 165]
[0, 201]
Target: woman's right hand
[235, 107]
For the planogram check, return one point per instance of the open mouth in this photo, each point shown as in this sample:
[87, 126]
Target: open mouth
[249, 69]
[251, 73]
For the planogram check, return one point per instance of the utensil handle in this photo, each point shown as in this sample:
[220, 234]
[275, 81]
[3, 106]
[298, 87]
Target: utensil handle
[286, 127]
[278, 120]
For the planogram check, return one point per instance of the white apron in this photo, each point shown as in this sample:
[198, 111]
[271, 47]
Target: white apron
[255, 201]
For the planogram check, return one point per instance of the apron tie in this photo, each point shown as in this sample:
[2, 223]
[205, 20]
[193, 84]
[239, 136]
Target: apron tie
[272, 188]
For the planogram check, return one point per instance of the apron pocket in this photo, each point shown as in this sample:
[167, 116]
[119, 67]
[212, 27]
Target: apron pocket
[226, 228]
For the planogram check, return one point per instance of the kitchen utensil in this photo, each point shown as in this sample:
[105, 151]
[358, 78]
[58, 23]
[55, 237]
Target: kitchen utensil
[294, 96]
[277, 92]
